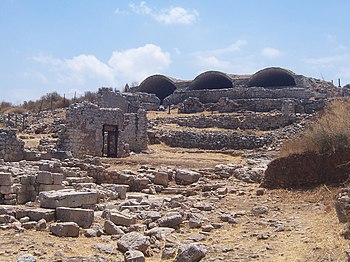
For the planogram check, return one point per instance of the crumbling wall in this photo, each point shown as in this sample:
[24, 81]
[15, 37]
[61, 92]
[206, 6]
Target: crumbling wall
[107, 98]
[83, 132]
[248, 120]
[11, 148]
[214, 140]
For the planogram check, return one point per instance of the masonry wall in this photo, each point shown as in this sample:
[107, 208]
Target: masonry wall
[82, 134]
[212, 96]
[11, 148]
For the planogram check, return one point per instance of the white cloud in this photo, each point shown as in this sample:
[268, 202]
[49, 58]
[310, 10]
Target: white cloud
[234, 47]
[126, 66]
[270, 52]
[137, 63]
[172, 15]
[212, 63]
[141, 8]
[177, 15]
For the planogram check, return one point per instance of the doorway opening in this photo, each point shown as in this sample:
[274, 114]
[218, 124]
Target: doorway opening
[110, 141]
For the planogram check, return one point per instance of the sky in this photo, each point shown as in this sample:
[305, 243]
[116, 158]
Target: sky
[76, 46]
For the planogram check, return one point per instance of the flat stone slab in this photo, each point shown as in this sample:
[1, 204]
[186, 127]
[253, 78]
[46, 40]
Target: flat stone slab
[65, 229]
[67, 198]
[83, 217]
[35, 214]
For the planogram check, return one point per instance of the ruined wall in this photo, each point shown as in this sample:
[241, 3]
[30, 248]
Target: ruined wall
[107, 98]
[11, 148]
[82, 134]
[248, 120]
[214, 140]
[127, 102]
[213, 96]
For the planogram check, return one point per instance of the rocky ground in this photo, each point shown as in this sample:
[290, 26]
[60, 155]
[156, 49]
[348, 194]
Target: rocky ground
[184, 204]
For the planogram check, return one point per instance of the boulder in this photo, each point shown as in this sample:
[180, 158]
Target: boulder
[67, 198]
[191, 253]
[65, 229]
[121, 219]
[172, 219]
[134, 256]
[83, 217]
[186, 177]
[133, 241]
[112, 229]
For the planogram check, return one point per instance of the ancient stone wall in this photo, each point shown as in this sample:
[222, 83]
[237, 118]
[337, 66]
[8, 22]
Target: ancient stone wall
[11, 148]
[83, 132]
[127, 102]
[213, 96]
[214, 140]
[247, 120]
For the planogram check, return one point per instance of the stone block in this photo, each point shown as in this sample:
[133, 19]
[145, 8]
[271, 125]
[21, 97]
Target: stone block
[161, 178]
[35, 214]
[6, 179]
[65, 229]
[112, 229]
[44, 177]
[121, 219]
[83, 217]
[43, 187]
[67, 198]
[57, 178]
[6, 190]
[133, 241]
[186, 177]
[134, 256]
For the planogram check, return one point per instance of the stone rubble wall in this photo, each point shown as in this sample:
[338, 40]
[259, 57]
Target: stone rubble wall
[82, 134]
[247, 120]
[127, 102]
[11, 148]
[213, 96]
[214, 140]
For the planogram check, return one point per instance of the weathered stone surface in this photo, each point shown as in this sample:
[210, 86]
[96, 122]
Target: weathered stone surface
[186, 177]
[65, 229]
[191, 253]
[26, 258]
[36, 214]
[112, 229]
[133, 241]
[161, 178]
[44, 177]
[67, 198]
[11, 148]
[6, 179]
[7, 219]
[172, 219]
[134, 256]
[121, 219]
[83, 217]
[41, 225]
[342, 208]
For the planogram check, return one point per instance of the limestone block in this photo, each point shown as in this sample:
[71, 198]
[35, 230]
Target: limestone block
[65, 229]
[6, 179]
[43, 187]
[44, 177]
[112, 229]
[161, 178]
[186, 177]
[57, 178]
[67, 198]
[83, 217]
[35, 214]
[6, 190]
[121, 219]
[134, 256]
[133, 241]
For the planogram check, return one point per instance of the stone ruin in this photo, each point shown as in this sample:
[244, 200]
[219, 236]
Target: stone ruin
[11, 148]
[264, 91]
[95, 131]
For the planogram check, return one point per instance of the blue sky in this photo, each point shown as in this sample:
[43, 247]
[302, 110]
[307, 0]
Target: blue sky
[76, 46]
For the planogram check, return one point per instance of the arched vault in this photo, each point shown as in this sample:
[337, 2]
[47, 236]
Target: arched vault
[272, 77]
[211, 80]
[160, 85]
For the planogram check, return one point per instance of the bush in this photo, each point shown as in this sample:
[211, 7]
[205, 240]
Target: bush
[330, 131]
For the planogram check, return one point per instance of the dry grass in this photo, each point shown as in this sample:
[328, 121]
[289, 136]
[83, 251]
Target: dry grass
[329, 132]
